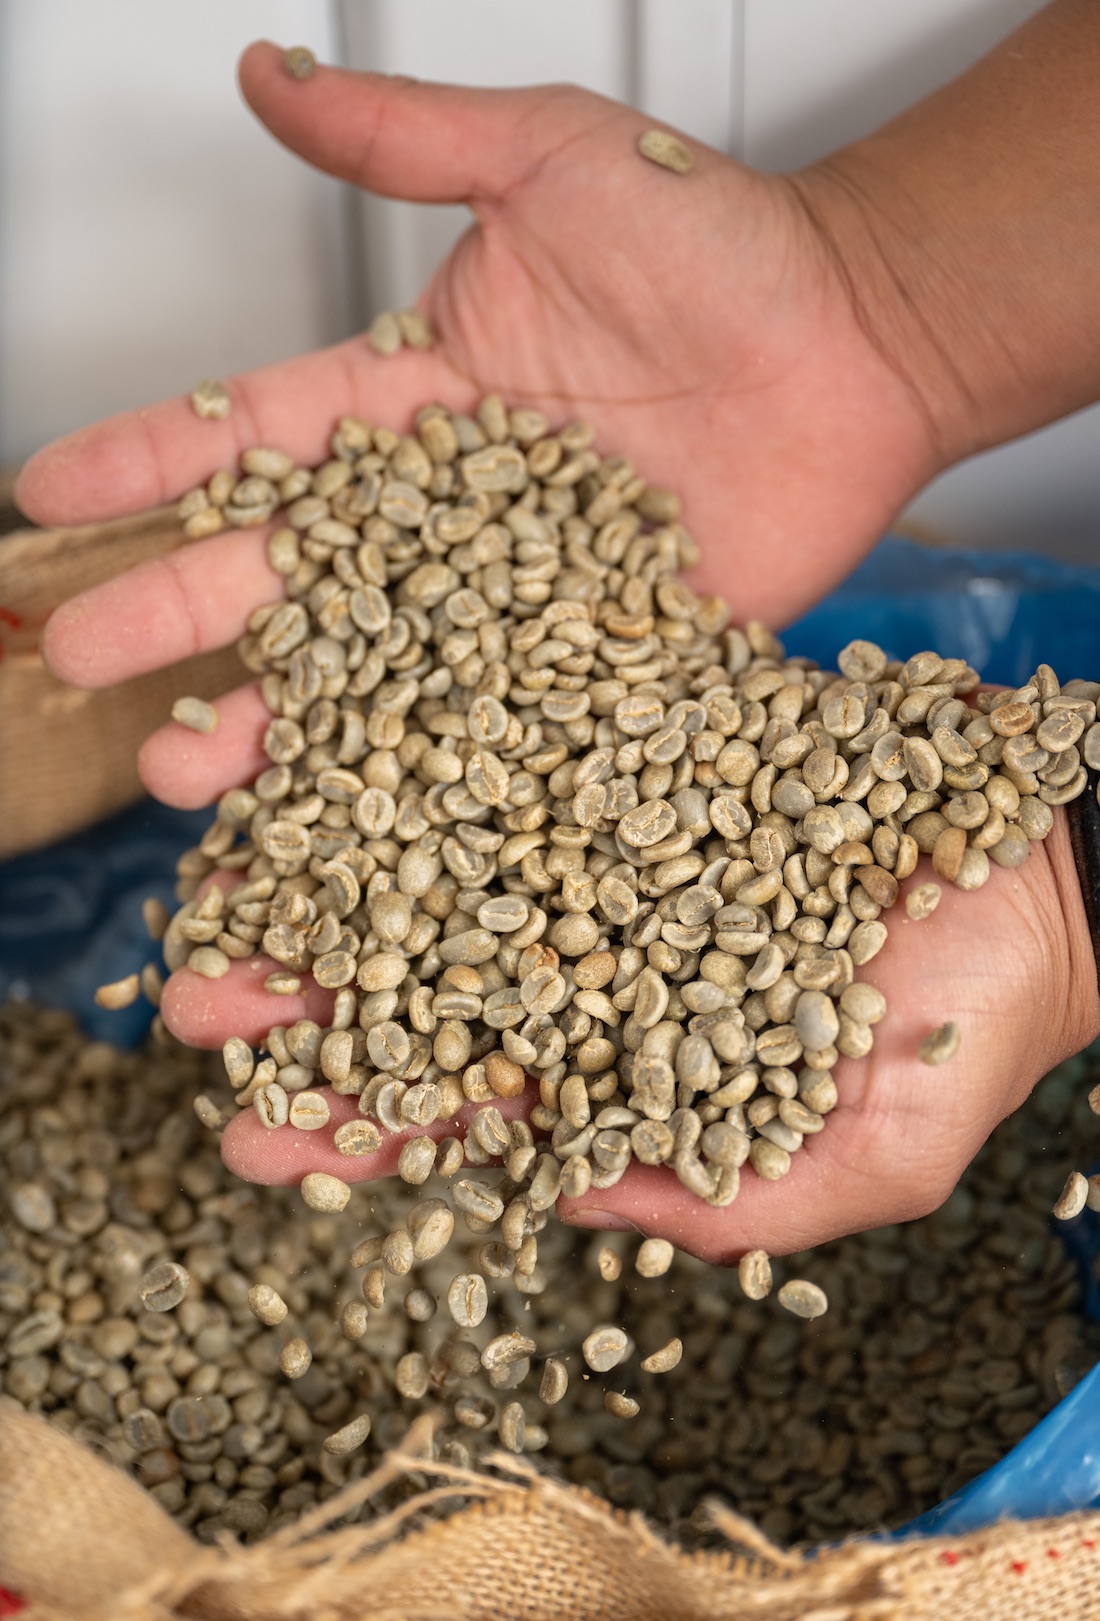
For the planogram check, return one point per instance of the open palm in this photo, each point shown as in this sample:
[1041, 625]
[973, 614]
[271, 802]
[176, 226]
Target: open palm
[703, 324]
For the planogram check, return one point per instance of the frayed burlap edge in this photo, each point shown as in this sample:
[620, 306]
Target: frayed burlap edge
[82, 1542]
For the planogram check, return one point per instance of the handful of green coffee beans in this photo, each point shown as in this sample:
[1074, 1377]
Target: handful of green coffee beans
[535, 809]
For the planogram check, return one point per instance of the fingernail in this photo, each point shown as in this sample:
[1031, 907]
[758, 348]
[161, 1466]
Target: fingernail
[605, 1220]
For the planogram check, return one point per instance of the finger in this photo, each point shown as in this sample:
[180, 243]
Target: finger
[144, 458]
[188, 601]
[206, 1012]
[191, 769]
[432, 143]
[282, 1157]
[825, 1194]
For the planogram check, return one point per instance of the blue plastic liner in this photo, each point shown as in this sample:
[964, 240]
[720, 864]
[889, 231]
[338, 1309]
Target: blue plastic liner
[70, 916]
[1004, 612]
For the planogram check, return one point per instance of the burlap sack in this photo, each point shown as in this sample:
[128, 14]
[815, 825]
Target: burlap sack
[79, 1541]
[69, 757]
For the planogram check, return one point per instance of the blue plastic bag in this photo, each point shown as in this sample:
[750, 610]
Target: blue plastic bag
[70, 916]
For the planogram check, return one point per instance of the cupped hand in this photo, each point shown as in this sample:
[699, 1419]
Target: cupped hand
[701, 321]
[1011, 964]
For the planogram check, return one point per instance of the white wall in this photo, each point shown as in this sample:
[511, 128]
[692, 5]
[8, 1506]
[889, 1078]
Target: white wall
[151, 234]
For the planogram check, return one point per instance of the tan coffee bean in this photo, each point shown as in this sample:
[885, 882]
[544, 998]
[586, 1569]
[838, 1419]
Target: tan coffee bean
[940, 1045]
[164, 1286]
[309, 1111]
[620, 1405]
[922, 901]
[358, 1137]
[416, 1160]
[605, 1348]
[196, 714]
[512, 1427]
[505, 1078]
[666, 150]
[803, 1299]
[384, 333]
[211, 400]
[754, 1273]
[610, 1263]
[349, 1436]
[300, 63]
[1073, 1197]
[266, 1304]
[467, 1299]
[655, 1256]
[324, 1192]
[665, 1359]
[554, 1382]
[121, 993]
[295, 1358]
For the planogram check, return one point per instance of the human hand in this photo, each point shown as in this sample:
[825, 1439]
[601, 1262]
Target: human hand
[1010, 963]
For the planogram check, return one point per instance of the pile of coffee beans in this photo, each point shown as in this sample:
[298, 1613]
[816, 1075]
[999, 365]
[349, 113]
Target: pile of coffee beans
[148, 1301]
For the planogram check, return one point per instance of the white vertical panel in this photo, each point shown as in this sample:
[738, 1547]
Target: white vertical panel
[477, 42]
[152, 232]
[687, 58]
[819, 73]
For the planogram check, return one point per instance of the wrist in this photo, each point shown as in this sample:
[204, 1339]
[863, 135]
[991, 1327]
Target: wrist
[1083, 816]
[904, 298]
[966, 232]
[1072, 877]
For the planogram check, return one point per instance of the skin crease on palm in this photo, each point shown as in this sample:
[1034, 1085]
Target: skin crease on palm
[704, 330]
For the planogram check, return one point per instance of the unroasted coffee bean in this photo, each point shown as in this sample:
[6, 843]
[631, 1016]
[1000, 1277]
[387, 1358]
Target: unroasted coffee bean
[554, 1382]
[323, 1192]
[922, 901]
[512, 1427]
[666, 150]
[620, 1405]
[196, 714]
[467, 1299]
[605, 1348]
[211, 399]
[665, 1359]
[300, 63]
[121, 993]
[754, 1273]
[266, 1304]
[357, 1137]
[1072, 1199]
[295, 1358]
[610, 1263]
[803, 1299]
[349, 1436]
[654, 1258]
[941, 1044]
[164, 1286]
[308, 1111]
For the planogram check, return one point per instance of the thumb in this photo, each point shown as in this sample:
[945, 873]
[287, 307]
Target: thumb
[429, 143]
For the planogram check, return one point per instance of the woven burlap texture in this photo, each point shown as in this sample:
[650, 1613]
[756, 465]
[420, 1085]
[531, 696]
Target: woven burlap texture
[70, 754]
[80, 1541]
